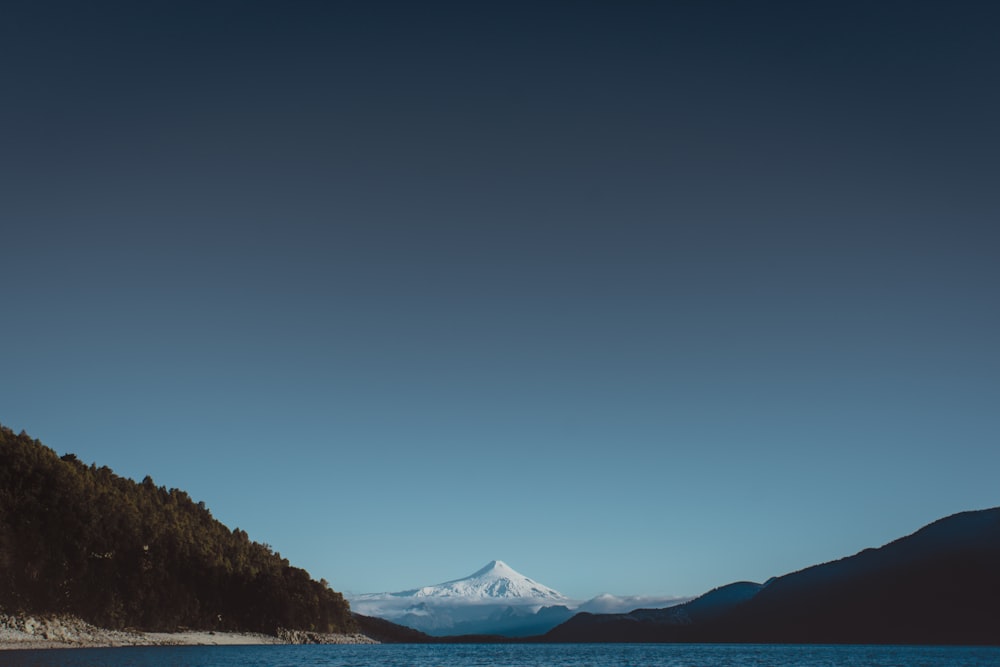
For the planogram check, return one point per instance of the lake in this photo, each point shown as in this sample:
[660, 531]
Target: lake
[511, 655]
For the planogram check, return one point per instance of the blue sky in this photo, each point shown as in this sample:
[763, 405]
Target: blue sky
[641, 298]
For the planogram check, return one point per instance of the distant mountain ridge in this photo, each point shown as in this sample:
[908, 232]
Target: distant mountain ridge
[940, 585]
[494, 600]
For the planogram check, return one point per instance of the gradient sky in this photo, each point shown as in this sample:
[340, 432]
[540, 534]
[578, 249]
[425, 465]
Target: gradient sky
[638, 297]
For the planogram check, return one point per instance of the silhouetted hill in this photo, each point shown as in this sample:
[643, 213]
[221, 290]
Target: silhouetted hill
[388, 632]
[81, 540]
[940, 585]
[651, 625]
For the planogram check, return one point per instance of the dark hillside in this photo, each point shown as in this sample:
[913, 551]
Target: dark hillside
[940, 585]
[81, 540]
[388, 632]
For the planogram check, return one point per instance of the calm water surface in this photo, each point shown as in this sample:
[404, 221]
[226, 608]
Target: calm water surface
[511, 655]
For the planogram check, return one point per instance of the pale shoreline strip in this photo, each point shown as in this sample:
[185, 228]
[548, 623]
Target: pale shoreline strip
[30, 632]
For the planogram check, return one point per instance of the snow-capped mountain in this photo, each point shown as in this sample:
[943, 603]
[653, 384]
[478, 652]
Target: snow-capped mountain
[496, 581]
[493, 600]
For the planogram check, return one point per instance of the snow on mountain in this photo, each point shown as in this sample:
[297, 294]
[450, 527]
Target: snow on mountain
[496, 581]
[493, 600]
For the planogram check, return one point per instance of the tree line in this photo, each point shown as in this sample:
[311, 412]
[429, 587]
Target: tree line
[81, 540]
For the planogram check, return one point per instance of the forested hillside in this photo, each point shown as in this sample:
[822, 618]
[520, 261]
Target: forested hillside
[79, 539]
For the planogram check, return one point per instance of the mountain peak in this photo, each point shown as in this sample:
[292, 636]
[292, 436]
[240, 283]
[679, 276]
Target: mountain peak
[497, 567]
[495, 581]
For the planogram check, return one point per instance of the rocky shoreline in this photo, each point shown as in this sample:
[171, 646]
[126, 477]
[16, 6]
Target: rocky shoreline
[18, 631]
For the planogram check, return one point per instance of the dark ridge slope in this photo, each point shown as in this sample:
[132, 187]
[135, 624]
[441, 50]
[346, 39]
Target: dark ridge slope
[940, 585]
[81, 540]
[656, 625]
[388, 632]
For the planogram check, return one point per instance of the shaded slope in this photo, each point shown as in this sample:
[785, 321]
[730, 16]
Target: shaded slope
[81, 540]
[940, 585]
[656, 625]
[388, 632]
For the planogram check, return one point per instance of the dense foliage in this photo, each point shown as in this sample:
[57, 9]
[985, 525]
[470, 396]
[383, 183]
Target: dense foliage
[81, 540]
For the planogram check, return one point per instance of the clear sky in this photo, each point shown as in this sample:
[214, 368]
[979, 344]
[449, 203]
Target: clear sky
[637, 297]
